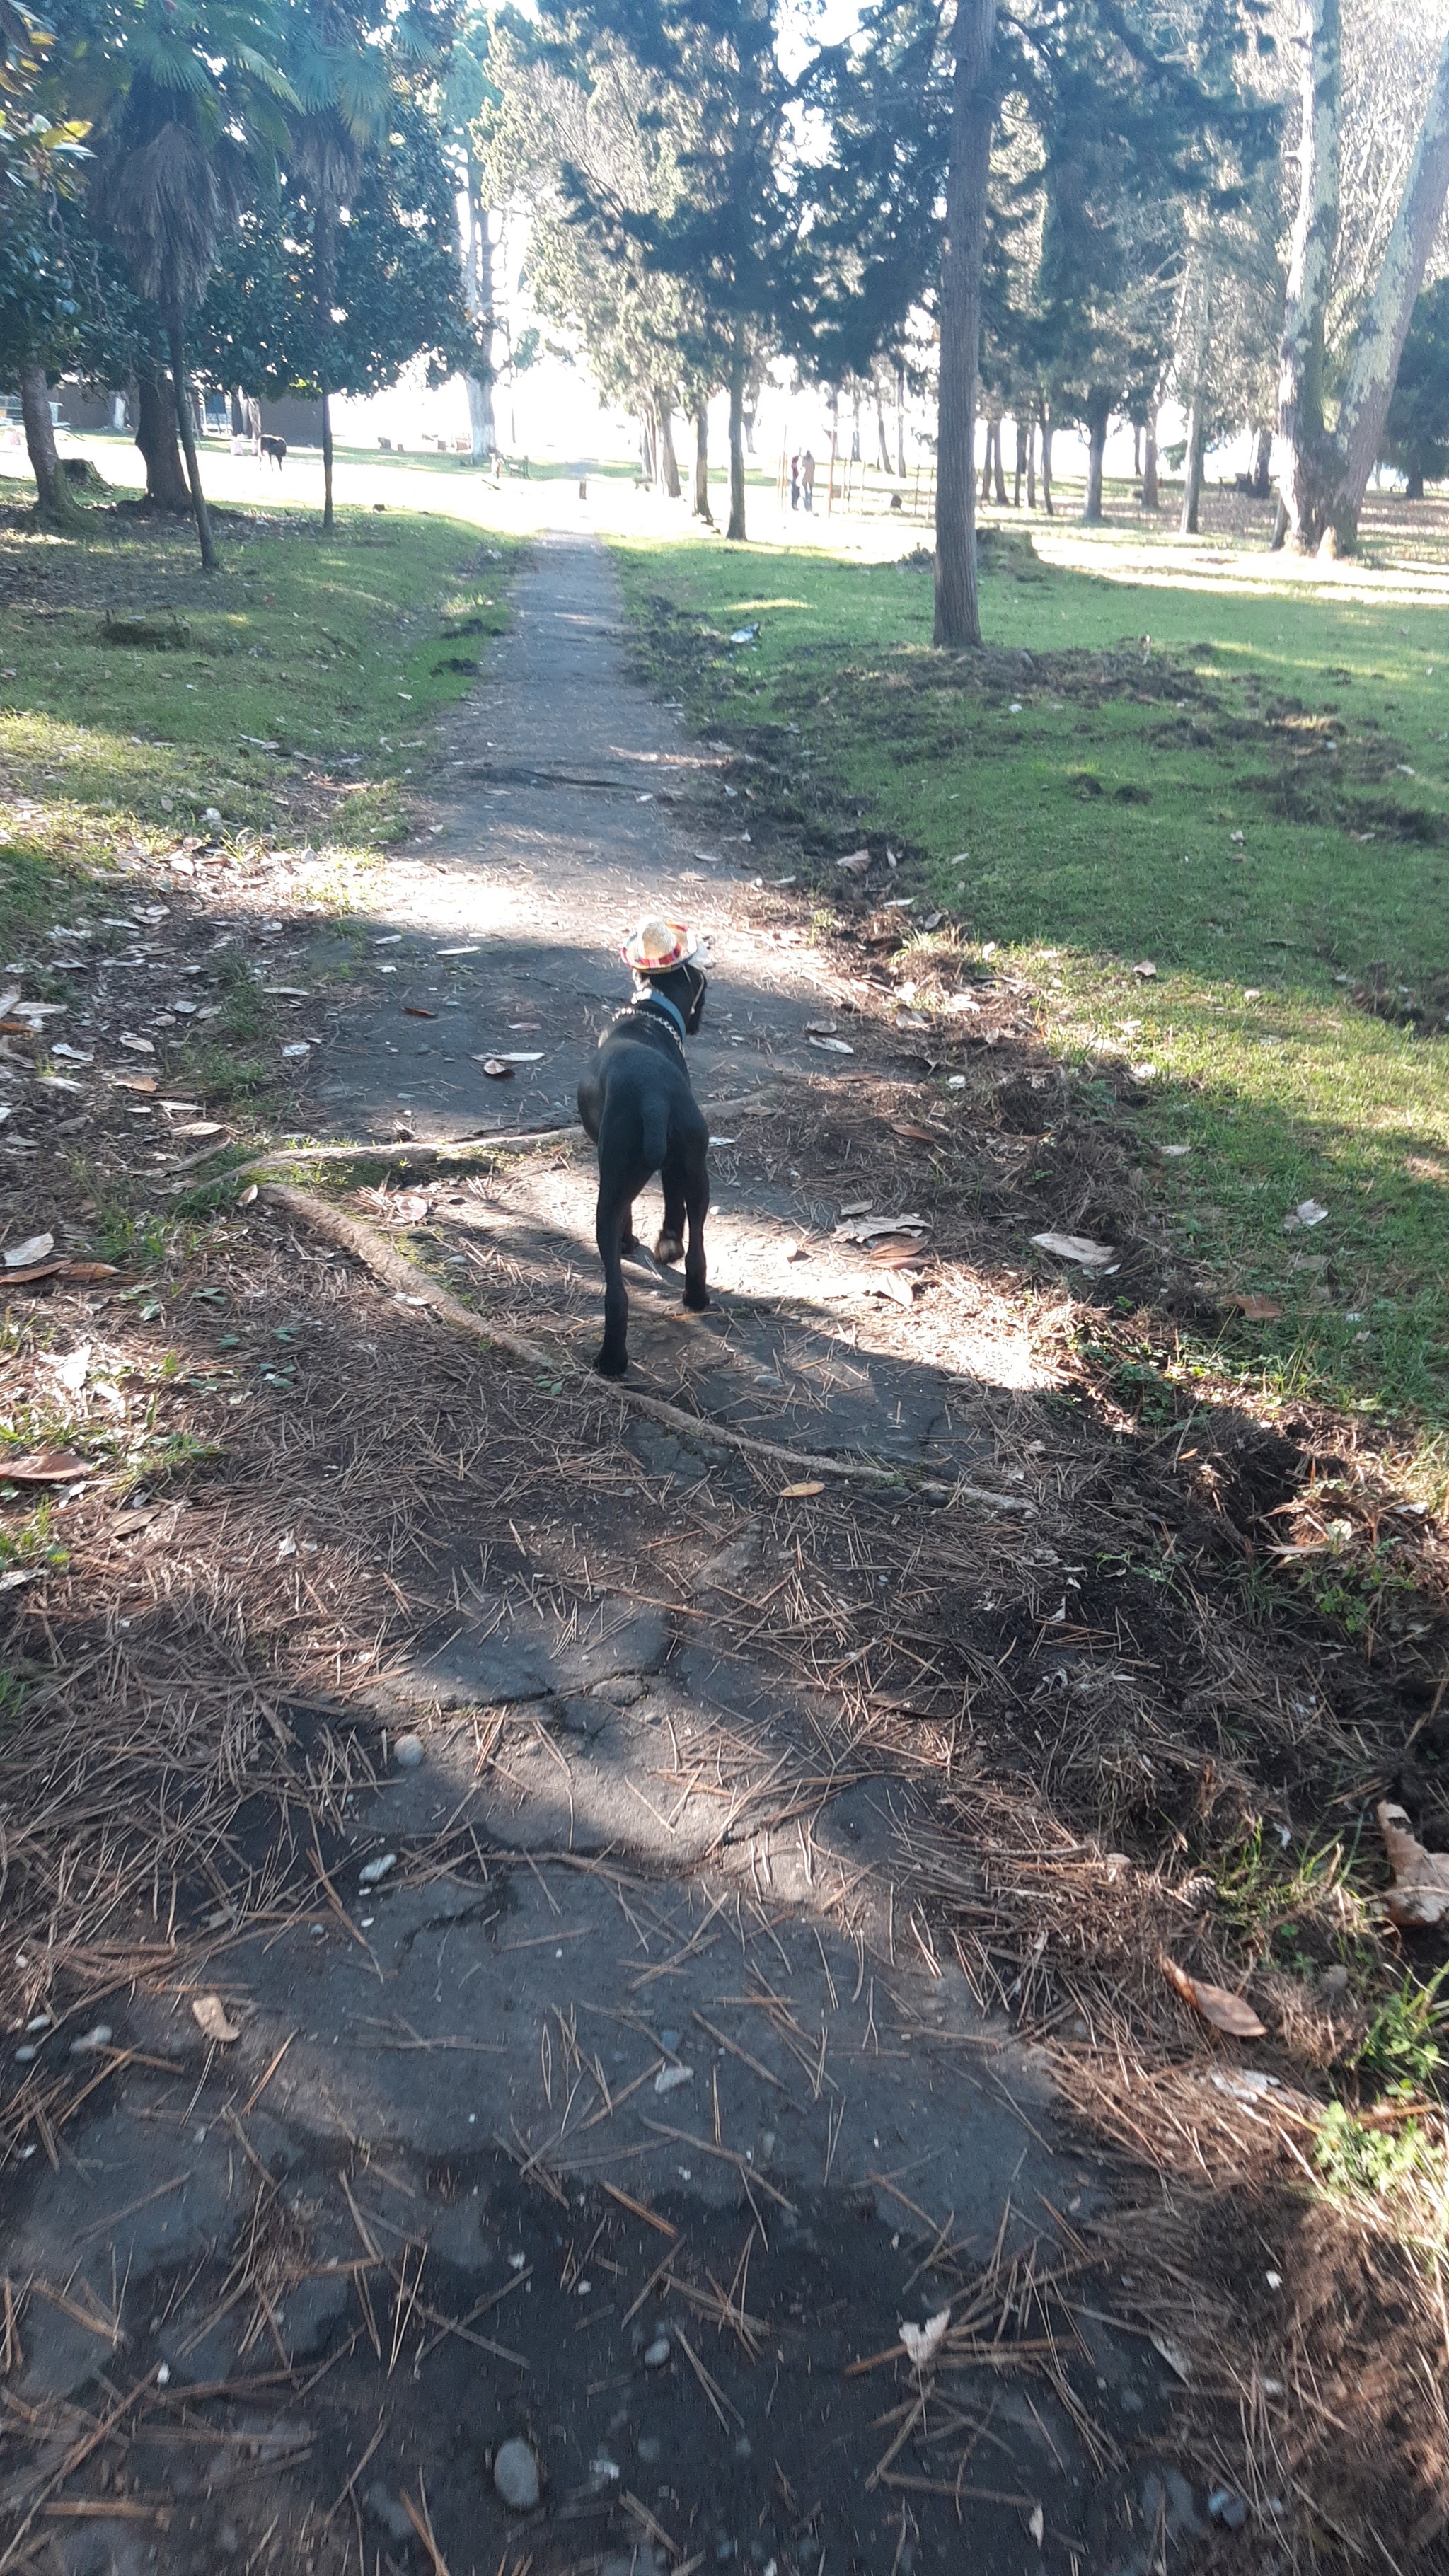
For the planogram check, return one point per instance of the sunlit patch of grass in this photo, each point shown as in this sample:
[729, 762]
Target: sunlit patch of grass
[1407, 2042]
[1291, 1909]
[1396, 2162]
[1241, 786]
[30, 1545]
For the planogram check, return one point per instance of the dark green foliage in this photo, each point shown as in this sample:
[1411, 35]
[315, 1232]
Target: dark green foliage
[1417, 434]
[398, 284]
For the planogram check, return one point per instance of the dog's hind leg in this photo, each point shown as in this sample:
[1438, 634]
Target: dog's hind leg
[669, 1243]
[696, 1202]
[612, 1224]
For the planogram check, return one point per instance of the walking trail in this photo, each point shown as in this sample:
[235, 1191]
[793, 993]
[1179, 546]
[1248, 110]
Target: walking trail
[611, 2099]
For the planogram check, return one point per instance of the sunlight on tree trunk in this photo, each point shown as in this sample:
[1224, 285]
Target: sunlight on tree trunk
[1048, 432]
[1149, 465]
[736, 528]
[188, 446]
[480, 417]
[668, 461]
[478, 289]
[701, 466]
[1192, 467]
[1310, 267]
[55, 502]
[1379, 342]
[958, 615]
[1197, 411]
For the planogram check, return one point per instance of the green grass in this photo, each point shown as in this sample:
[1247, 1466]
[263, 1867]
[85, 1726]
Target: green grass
[1081, 809]
[340, 651]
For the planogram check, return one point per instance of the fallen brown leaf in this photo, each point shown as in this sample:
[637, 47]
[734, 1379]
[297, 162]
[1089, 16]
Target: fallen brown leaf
[210, 2012]
[913, 1135]
[418, 1011]
[1225, 2011]
[45, 1467]
[1257, 1310]
[1420, 1892]
[798, 1493]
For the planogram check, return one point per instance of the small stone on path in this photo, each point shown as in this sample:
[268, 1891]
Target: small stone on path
[407, 1753]
[658, 2353]
[515, 2475]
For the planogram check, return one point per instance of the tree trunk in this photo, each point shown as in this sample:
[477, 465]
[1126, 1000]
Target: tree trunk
[1262, 467]
[1031, 461]
[1379, 342]
[958, 616]
[736, 528]
[478, 295]
[55, 502]
[701, 465]
[1022, 436]
[1414, 484]
[986, 462]
[156, 439]
[200, 511]
[1000, 477]
[326, 459]
[668, 461]
[1192, 466]
[1150, 499]
[1315, 233]
[238, 415]
[882, 443]
[646, 444]
[855, 430]
[479, 390]
[901, 422]
[1099, 412]
[324, 275]
[1197, 416]
[1048, 432]
[1136, 448]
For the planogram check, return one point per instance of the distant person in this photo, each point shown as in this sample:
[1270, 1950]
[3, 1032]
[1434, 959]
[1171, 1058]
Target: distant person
[794, 482]
[807, 479]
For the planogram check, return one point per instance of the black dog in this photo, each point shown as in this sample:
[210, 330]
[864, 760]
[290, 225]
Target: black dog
[276, 448]
[641, 1113]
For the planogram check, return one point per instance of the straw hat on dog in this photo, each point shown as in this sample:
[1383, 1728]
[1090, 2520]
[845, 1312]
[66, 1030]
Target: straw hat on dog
[656, 946]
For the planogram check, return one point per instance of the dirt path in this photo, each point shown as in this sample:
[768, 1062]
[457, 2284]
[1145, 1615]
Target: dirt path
[608, 2094]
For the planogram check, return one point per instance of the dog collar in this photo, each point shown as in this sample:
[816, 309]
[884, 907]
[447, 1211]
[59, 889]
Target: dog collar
[662, 1002]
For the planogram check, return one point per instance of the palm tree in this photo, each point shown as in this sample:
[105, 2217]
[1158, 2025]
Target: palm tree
[340, 79]
[200, 116]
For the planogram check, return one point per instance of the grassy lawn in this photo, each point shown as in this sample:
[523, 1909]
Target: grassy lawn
[1234, 775]
[258, 754]
[306, 658]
